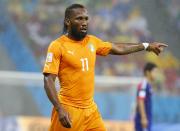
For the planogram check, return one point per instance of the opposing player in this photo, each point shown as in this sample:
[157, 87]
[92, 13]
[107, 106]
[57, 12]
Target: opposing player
[143, 118]
[71, 58]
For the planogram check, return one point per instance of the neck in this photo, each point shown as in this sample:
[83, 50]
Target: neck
[148, 80]
[69, 35]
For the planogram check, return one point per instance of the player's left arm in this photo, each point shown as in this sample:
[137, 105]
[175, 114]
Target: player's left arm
[128, 48]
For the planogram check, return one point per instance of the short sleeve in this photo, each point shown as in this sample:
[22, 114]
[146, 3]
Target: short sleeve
[53, 58]
[142, 94]
[102, 47]
[142, 90]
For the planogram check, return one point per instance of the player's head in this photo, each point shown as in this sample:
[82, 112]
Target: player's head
[76, 21]
[150, 71]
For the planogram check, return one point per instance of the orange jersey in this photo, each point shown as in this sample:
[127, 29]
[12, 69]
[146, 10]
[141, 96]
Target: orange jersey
[74, 64]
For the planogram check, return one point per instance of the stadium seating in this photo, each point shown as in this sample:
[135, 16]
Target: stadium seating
[120, 21]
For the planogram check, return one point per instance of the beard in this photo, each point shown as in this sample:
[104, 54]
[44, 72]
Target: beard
[78, 35]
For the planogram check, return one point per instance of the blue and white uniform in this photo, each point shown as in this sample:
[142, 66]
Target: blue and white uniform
[144, 92]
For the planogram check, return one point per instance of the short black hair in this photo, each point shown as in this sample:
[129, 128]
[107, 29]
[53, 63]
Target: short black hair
[149, 67]
[68, 12]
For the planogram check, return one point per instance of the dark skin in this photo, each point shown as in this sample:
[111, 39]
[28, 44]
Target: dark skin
[49, 86]
[78, 21]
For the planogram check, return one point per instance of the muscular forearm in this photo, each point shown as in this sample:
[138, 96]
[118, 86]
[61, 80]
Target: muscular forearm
[126, 48]
[127, 44]
[141, 108]
[51, 92]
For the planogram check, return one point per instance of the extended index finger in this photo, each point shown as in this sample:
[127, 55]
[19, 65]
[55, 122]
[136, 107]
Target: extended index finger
[163, 45]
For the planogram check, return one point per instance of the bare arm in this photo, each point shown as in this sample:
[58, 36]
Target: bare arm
[127, 48]
[142, 112]
[49, 86]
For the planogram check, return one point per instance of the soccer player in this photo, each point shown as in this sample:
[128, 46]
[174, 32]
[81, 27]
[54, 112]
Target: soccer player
[71, 58]
[143, 118]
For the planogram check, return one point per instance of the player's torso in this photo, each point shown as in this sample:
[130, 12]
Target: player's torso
[78, 56]
[148, 104]
[76, 70]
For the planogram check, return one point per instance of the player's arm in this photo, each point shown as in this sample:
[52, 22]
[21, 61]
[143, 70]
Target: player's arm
[127, 48]
[142, 112]
[49, 86]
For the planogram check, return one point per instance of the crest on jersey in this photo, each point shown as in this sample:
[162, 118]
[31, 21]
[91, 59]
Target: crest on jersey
[91, 47]
[49, 57]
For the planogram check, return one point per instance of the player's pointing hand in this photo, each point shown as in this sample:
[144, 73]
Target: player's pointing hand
[156, 47]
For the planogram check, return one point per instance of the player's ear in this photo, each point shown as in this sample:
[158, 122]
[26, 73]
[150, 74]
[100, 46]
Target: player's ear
[146, 73]
[67, 21]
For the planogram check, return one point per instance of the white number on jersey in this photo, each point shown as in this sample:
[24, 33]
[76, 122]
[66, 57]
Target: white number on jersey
[84, 62]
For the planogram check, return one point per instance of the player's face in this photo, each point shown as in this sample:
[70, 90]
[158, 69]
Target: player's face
[153, 74]
[78, 26]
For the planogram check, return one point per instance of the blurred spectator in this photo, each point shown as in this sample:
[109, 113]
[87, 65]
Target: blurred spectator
[116, 20]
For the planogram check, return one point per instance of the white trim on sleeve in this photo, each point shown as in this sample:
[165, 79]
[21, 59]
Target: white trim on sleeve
[142, 94]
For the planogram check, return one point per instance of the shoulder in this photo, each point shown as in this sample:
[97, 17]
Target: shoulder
[92, 37]
[143, 85]
[55, 46]
[57, 43]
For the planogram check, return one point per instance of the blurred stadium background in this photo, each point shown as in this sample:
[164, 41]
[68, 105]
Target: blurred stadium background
[28, 26]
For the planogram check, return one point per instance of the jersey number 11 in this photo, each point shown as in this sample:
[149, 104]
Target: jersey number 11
[84, 62]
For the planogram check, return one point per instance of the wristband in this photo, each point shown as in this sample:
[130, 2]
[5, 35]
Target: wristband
[146, 45]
